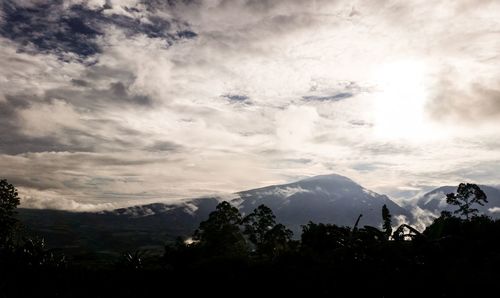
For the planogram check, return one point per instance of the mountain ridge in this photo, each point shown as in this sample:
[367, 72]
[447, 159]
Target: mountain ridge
[435, 200]
[328, 198]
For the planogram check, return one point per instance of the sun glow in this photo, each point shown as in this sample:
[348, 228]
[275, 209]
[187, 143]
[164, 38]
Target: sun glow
[399, 106]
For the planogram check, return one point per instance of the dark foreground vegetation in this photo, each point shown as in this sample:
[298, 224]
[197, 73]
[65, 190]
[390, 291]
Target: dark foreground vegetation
[457, 255]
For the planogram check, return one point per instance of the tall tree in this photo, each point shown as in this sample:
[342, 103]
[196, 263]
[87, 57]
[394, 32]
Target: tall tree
[220, 234]
[268, 237]
[386, 217]
[467, 195]
[9, 200]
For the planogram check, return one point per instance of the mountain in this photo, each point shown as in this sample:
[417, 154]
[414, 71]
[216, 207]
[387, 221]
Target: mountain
[327, 199]
[435, 200]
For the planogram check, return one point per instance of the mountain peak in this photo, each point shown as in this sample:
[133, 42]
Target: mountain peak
[330, 198]
[329, 177]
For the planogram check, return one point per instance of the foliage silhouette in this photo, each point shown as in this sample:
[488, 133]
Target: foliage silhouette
[268, 237]
[329, 260]
[220, 234]
[467, 195]
[9, 200]
[387, 221]
[323, 238]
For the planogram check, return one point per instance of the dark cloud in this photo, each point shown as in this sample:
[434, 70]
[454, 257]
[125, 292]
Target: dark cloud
[66, 170]
[94, 133]
[477, 103]
[95, 99]
[236, 97]
[14, 141]
[186, 34]
[51, 26]
[155, 5]
[334, 97]
[118, 89]
[9, 124]
[164, 146]
[342, 90]
[81, 83]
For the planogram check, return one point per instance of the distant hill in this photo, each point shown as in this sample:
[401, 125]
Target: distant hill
[435, 200]
[327, 198]
[110, 232]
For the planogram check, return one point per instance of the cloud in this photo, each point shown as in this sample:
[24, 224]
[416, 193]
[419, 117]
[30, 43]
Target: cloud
[63, 204]
[338, 96]
[236, 97]
[474, 103]
[291, 132]
[71, 29]
[420, 218]
[129, 101]
[165, 146]
[45, 119]
[284, 193]
[52, 199]
[322, 91]
[494, 210]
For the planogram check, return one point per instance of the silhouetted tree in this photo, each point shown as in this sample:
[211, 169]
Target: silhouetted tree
[9, 200]
[220, 234]
[324, 237]
[277, 240]
[268, 237]
[258, 223]
[387, 225]
[467, 195]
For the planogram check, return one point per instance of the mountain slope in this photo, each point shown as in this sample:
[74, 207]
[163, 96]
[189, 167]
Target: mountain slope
[326, 198]
[126, 229]
[435, 200]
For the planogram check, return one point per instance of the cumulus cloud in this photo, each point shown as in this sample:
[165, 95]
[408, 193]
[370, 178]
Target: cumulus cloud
[48, 200]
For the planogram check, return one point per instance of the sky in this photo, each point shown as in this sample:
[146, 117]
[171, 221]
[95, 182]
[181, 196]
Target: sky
[110, 103]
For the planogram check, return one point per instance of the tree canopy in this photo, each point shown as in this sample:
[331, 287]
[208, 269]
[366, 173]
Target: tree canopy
[220, 234]
[9, 200]
[387, 221]
[268, 237]
[467, 195]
